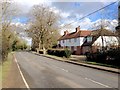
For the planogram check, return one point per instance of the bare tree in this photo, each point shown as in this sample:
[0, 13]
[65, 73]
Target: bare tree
[104, 24]
[9, 10]
[44, 26]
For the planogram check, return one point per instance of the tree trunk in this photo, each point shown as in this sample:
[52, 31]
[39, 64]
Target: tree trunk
[38, 49]
[39, 45]
[44, 50]
[102, 43]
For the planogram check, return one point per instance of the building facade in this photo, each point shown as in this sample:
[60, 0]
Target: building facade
[118, 27]
[73, 40]
[82, 41]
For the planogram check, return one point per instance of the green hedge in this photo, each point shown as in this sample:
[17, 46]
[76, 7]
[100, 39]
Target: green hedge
[60, 52]
[111, 57]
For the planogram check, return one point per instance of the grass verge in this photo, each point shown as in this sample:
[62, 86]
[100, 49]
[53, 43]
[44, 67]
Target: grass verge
[101, 64]
[5, 67]
[86, 62]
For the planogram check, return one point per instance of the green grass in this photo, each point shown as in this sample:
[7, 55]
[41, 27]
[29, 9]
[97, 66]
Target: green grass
[56, 57]
[0, 75]
[5, 67]
[101, 64]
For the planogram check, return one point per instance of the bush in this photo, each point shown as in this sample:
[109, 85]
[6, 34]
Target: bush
[67, 53]
[60, 52]
[110, 57]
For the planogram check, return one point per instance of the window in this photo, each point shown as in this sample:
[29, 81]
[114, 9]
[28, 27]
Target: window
[75, 39]
[69, 40]
[89, 39]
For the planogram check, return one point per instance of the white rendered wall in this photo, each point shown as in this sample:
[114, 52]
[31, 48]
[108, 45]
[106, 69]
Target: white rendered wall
[78, 42]
[108, 40]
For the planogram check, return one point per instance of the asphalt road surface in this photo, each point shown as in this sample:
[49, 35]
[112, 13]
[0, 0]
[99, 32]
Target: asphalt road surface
[43, 72]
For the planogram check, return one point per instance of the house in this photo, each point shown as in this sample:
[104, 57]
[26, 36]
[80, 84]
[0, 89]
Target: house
[82, 41]
[98, 40]
[118, 27]
[73, 40]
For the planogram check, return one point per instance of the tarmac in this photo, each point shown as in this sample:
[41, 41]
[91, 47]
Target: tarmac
[75, 61]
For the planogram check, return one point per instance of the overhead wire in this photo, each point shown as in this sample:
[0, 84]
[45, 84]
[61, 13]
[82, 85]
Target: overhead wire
[89, 14]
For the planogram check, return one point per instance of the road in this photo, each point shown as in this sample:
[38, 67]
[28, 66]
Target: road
[43, 72]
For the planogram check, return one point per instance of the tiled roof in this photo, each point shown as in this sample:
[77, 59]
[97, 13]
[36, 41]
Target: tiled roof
[103, 32]
[80, 33]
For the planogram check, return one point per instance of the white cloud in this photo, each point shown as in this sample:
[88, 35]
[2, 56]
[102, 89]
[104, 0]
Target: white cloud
[55, 10]
[65, 14]
[87, 24]
[106, 2]
[31, 2]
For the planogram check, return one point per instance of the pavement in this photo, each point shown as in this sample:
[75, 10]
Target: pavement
[76, 58]
[13, 78]
[43, 72]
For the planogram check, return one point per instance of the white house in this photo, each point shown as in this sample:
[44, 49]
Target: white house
[99, 39]
[82, 41]
[73, 40]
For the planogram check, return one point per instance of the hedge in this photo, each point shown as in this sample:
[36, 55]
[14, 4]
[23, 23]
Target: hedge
[111, 57]
[59, 52]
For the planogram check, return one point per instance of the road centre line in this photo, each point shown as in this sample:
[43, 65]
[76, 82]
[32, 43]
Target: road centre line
[86, 78]
[98, 83]
[60, 68]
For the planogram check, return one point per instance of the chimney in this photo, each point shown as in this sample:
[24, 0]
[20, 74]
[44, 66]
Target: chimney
[66, 32]
[78, 29]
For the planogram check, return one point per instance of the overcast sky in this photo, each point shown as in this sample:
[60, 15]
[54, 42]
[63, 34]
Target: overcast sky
[73, 11]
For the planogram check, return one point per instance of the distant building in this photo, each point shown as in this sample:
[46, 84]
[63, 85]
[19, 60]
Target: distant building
[82, 41]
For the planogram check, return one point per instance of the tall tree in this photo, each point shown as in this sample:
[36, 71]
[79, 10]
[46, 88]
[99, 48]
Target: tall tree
[8, 11]
[44, 26]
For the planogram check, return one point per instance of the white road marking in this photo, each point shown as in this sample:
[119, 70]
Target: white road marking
[98, 83]
[25, 82]
[64, 70]
[61, 68]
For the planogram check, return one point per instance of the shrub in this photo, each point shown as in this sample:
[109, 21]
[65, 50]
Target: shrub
[60, 52]
[67, 53]
[110, 57]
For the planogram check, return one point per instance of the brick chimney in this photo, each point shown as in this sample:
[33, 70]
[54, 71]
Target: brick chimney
[66, 32]
[78, 29]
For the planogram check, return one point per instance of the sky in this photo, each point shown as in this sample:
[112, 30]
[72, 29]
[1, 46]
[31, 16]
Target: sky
[72, 12]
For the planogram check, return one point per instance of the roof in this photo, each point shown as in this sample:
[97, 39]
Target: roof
[96, 33]
[80, 33]
[103, 32]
